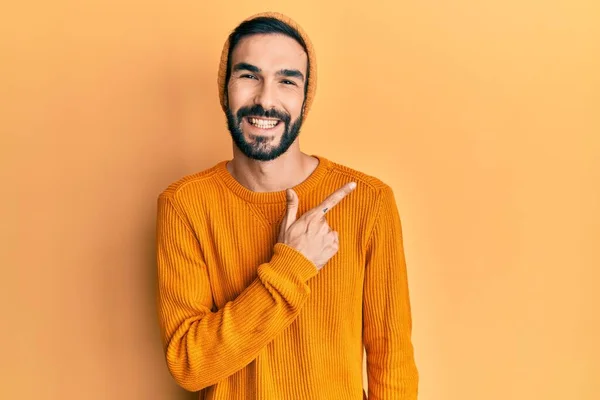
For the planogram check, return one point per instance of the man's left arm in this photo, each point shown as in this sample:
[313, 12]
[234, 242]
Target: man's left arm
[387, 322]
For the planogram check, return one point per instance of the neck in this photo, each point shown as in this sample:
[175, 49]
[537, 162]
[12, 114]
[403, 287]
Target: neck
[286, 171]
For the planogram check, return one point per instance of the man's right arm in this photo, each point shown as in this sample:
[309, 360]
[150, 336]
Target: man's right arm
[204, 347]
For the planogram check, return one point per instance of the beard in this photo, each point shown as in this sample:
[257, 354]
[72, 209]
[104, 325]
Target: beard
[260, 149]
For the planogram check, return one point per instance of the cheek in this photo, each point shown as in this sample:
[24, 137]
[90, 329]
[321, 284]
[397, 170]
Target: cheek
[293, 103]
[239, 95]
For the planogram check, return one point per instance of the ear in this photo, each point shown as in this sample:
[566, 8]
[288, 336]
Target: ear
[226, 90]
[226, 93]
[303, 105]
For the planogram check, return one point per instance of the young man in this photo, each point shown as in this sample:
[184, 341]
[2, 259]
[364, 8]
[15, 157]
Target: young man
[276, 267]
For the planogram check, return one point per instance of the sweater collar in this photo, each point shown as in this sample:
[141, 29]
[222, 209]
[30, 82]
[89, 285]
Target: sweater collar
[301, 189]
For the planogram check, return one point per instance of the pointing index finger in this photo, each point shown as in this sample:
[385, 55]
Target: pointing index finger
[334, 198]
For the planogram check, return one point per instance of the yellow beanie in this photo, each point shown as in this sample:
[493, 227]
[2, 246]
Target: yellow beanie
[312, 72]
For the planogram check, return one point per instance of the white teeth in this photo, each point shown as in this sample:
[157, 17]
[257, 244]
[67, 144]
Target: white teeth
[261, 123]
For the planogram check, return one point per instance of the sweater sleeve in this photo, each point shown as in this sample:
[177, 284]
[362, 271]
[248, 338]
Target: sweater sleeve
[203, 347]
[387, 322]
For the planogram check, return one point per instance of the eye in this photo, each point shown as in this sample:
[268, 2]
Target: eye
[248, 76]
[288, 82]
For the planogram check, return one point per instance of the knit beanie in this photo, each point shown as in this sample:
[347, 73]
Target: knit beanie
[312, 62]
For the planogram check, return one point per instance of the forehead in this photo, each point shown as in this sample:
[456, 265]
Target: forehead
[270, 51]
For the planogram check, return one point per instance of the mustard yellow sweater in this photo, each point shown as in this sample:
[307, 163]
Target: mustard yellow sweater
[245, 317]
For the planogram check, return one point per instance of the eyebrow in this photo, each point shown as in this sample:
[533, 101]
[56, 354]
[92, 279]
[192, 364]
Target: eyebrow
[290, 73]
[245, 66]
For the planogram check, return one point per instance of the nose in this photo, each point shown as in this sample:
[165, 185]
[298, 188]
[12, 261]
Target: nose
[265, 95]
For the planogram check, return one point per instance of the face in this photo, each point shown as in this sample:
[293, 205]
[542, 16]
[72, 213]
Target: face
[266, 94]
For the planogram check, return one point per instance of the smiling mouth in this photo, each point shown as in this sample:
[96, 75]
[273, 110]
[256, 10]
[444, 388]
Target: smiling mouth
[263, 123]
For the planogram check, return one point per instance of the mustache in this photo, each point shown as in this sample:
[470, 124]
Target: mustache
[258, 111]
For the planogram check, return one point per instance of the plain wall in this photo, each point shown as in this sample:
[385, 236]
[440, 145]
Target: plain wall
[482, 116]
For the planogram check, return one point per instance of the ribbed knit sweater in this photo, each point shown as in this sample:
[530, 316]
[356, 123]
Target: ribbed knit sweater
[245, 317]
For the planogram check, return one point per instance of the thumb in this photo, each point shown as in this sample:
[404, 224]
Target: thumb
[292, 208]
[290, 213]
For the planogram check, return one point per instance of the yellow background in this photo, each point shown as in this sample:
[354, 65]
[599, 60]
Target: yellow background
[482, 115]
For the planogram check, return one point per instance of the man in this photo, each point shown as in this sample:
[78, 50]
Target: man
[276, 267]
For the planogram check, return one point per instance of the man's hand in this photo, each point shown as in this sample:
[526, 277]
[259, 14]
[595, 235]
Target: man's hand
[311, 234]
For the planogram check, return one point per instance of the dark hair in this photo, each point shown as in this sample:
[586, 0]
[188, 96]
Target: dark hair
[263, 25]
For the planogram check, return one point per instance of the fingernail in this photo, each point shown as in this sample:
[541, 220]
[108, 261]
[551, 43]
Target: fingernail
[352, 185]
[288, 194]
